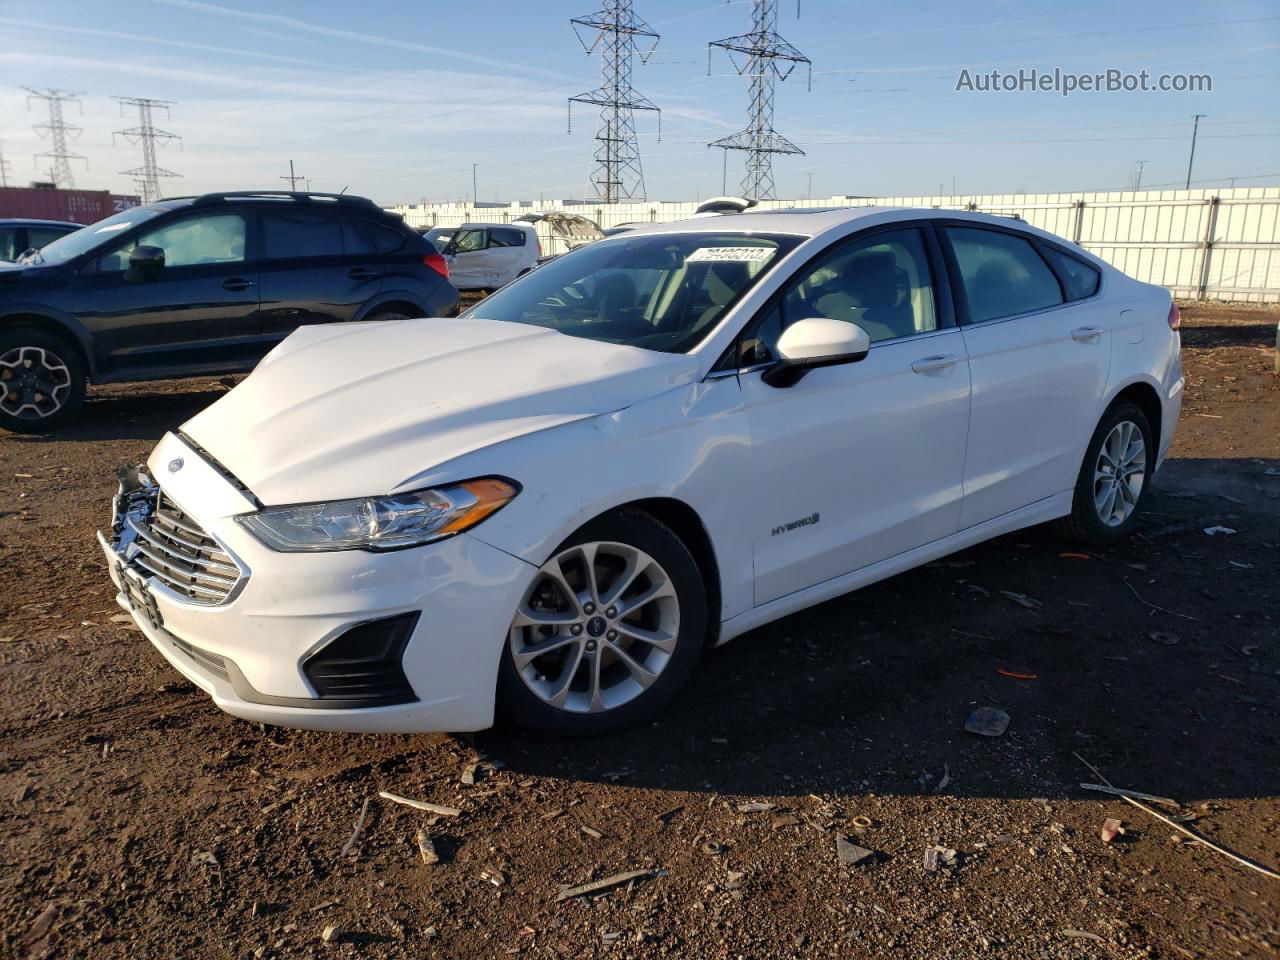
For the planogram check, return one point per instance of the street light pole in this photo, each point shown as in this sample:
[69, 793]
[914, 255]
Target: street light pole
[475, 194]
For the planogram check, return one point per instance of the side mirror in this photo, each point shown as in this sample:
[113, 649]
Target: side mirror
[146, 260]
[816, 342]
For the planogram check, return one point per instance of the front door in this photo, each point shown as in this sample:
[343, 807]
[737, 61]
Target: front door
[860, 462]
[1039, 369]
[197, 312]
[472, 264]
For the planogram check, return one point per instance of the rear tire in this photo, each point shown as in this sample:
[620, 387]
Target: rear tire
[1113, 479]
[619, 643]
[42, 379]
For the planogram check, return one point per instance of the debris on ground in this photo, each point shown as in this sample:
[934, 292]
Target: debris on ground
[1022, 600]
[331, 934]
[1164, 638]
[1111, 828]
[713, 849]
[754, 807]
[608, 883]
[355, 834]
[420, 804]
[205, 858]
[1016, 674]
[987, 722]
[426, 847]
[1217, 529]
[1120, 792]
[850, 853]
[493, 875]
[936, 857]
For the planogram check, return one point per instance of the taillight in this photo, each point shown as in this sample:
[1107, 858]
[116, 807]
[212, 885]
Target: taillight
[1175, 318]
[437, 263]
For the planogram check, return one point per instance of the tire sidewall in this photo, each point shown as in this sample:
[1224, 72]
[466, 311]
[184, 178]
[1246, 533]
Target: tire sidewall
[26, 336]
[639, 530]
[1086, 510]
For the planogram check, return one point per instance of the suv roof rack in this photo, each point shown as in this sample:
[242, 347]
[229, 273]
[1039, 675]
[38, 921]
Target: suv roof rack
[209, 199]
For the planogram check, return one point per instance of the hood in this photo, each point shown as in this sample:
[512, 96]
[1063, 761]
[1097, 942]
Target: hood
[350, 410]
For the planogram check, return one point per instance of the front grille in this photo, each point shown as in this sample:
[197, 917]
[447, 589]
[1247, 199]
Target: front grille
[175, 550]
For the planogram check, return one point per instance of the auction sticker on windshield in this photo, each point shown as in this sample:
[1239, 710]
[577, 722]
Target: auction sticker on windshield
[730, 255]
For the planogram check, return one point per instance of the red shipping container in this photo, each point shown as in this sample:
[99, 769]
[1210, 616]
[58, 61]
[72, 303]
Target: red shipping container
[50, 203]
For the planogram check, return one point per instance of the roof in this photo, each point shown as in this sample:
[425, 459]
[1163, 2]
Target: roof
[37, 222]
[812, 221]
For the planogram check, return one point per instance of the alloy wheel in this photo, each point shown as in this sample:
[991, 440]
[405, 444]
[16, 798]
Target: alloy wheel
[595, 629]
[34, 383]
[1119, 474]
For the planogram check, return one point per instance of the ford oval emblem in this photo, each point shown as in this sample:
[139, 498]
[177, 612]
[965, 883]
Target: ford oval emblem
[175, 465]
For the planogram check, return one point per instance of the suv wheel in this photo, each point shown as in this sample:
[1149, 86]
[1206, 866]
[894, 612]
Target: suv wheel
[1113, 477]
[608, 632]
[42, 380]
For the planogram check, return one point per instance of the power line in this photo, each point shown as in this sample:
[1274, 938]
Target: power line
[617, 174]
[766, 57]
[58, 132]
[147, 176]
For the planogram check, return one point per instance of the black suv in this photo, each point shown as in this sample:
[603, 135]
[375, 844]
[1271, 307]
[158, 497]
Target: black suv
[200, 285]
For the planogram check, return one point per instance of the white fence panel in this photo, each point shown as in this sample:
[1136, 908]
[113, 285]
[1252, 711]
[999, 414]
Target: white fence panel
[1202, 244]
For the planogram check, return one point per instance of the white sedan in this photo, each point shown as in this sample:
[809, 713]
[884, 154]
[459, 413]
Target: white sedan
[554, 503]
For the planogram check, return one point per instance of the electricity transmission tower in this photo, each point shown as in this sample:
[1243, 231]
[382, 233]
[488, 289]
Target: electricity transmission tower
[4, 167]
[58, 132]
[765, 57]
[147, 176]
[617, 174]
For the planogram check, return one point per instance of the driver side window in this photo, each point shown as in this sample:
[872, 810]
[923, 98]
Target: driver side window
[214, 238]
[882, 283]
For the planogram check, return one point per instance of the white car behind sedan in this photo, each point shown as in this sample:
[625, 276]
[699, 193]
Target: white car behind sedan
[648, 446]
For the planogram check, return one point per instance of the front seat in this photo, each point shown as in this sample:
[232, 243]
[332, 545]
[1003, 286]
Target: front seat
[615, 295]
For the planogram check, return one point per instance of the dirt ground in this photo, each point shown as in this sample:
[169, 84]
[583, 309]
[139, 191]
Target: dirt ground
[138, 821]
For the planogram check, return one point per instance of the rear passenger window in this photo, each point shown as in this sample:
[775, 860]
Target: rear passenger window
[9, 243]
[1002, 274]
[506, 237]
[300, 233]
[1080, 279]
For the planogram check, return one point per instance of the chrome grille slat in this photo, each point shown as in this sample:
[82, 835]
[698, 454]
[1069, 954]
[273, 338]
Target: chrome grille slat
[192, 573]
[166, 544]
[227, 570]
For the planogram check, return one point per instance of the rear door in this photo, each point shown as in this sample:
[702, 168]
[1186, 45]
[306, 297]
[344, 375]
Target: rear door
[197, 312]
[1039, 362]
[509, 252]
[317, 266]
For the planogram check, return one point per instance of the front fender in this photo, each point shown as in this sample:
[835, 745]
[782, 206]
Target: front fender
[690, 444]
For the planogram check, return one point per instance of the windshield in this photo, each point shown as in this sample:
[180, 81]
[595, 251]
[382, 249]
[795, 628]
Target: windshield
[85, 239]
[658, 291]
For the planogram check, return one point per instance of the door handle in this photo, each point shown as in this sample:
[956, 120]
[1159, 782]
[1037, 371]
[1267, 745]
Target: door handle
[361, 273]
[940, 361]
[236, 283]
[1086, 334]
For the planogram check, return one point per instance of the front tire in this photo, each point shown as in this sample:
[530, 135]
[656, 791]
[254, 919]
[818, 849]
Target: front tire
[42, 380]
[609, 631]
[1113, 479]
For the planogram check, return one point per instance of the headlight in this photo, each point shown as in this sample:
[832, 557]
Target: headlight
[379, 523]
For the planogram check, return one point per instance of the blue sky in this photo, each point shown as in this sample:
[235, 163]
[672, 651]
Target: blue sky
[396, 100]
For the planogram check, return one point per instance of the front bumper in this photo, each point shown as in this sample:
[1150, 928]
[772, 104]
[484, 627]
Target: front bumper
[248, 652]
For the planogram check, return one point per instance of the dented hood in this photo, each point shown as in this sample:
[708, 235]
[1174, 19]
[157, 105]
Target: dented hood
[350, 410]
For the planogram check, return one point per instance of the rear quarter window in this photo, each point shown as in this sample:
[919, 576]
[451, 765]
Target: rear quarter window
[1078, 278]
[506, 237]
